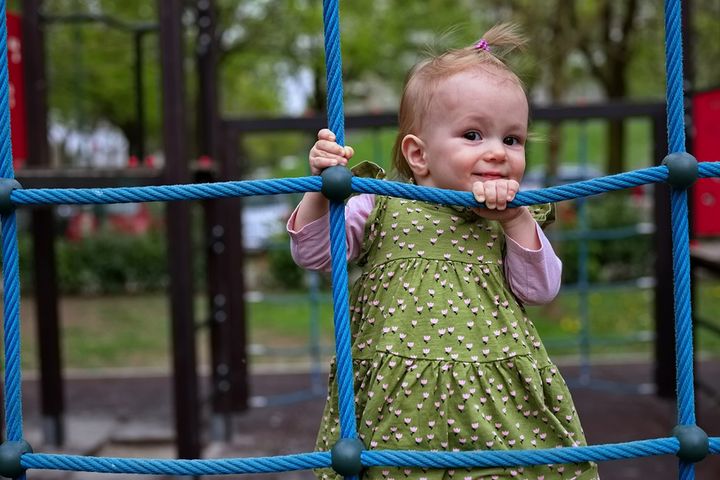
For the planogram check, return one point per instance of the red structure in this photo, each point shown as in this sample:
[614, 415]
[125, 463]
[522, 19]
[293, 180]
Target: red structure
[706, 148]
[17, 90]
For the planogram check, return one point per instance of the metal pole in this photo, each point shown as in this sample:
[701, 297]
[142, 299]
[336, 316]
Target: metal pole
[43, 233]
[139, 96]
[178, 231]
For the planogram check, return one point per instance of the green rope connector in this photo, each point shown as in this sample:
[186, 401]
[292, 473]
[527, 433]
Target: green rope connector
[694, 443]
[345, 456]
[10, 453]
[682, 169]
[336, 183]
[7, 185]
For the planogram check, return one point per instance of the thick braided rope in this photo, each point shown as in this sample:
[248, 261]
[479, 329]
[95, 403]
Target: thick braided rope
[530, 197]
[683, 313]
[341, 305]
[333, 68]
[10, 266]
[203, 191]
[225, 466]
[510, 458]
[164, 193]
[6, 165]
[674, 73]
[680, 234]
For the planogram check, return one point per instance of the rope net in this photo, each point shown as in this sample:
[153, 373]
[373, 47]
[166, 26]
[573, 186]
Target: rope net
[682, 445]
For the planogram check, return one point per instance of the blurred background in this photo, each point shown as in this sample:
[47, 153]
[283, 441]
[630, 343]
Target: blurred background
[124, 93]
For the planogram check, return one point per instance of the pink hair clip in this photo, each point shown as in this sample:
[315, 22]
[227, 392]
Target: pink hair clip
[482, 45]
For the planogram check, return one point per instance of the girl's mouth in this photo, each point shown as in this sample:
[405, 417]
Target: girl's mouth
[484, 177]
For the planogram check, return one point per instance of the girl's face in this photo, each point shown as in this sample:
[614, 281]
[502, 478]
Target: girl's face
[475, 129]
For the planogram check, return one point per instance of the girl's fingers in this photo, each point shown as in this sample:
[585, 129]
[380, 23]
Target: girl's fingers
[501, 190]
[478, 192]
[326, 152]
[490, 194]
[513, 189]
[326, 134]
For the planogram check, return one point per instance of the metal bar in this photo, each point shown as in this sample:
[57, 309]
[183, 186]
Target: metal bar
[233, 166]
[106, 20]
[185, 381]
[45, 274]
[139, 147]
[84, 178]
[664, 373]
[611, 110]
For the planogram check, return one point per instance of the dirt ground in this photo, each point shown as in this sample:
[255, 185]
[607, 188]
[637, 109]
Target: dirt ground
[131, 416]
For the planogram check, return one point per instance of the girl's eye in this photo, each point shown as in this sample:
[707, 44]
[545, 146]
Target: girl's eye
[474, 136]
[511, 141]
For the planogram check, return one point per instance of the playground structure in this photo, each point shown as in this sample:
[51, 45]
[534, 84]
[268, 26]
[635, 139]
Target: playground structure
[236, 189]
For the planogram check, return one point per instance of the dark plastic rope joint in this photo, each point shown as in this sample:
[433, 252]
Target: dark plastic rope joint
[345, 456]
[336, 183]
[694, 443]
[7, 185]
[10, 453]
[682, 169]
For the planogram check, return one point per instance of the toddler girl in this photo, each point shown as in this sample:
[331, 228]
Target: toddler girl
[444, 355]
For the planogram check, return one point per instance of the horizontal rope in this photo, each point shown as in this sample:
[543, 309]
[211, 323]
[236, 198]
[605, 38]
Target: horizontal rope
[164, 193]
[226, 466]
[530, 197]
[206, 191]
[714, 444]
[370, 458]
[510, 458]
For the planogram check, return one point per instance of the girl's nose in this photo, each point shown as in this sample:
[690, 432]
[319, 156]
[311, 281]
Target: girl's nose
[494, 151]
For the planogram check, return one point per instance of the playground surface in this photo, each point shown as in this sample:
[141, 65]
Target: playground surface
[131, 416]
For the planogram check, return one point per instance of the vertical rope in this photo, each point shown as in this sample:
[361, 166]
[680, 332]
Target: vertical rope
[680, 233]
[674, 74]
[11, 283]
[333, 66]
[341, 304]
[338, 249]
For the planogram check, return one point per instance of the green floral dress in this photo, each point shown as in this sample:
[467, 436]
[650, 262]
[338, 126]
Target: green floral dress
[444, 356]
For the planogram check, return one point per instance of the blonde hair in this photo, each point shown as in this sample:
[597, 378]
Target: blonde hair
[426, 75]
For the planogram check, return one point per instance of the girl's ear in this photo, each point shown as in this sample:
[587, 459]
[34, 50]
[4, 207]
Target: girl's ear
[413, 150]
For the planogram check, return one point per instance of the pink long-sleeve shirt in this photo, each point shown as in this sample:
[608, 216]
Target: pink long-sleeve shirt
[533, 275]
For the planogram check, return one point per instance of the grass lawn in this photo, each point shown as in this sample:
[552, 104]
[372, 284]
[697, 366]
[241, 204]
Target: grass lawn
[133, 331]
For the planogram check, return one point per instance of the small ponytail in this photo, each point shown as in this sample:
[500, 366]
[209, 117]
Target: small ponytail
[500, 40]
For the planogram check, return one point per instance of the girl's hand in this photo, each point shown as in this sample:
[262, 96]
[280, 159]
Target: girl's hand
[496, 194]
[326, 152]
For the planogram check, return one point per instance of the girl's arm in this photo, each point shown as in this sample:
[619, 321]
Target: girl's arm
[310, 243]
[534, 274]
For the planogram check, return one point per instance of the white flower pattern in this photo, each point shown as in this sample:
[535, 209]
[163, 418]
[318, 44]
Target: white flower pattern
[444, 356]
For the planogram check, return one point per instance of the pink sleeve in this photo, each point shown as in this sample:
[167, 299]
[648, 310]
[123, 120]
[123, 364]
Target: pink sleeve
[310, 246]
[534, 275]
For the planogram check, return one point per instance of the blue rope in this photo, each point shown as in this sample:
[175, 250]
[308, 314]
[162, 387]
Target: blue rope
[585, 188]
[204, 191]
[225, 466]
[6, 165]
[674, 73]
[164, 193]
[681, 264]
[510, 458]
[333, 67]
[10, 265]
[11, 312]
[341, 306]
[683, 309]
